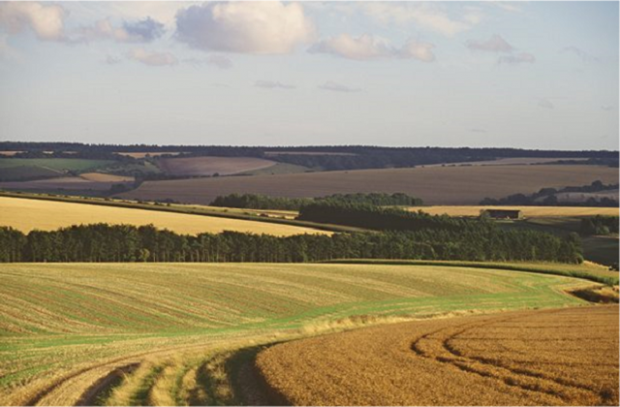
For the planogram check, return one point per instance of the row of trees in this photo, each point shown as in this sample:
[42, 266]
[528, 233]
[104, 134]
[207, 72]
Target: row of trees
[255, 201]
[548, 197]
[124, 243]
[599, 225]
[374, 217]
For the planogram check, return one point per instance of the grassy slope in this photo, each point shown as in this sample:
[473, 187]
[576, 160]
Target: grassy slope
[59, 164]
[435, 185]
[173, 318]
[29, 214]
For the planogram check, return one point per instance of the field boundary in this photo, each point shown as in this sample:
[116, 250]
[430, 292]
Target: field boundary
[611, 281]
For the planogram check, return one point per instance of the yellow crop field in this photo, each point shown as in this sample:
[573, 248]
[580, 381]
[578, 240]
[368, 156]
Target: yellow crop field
[162, 334]
[551, 357]
[100, 177]
[527, 211]
[435, 185]
[30, 214]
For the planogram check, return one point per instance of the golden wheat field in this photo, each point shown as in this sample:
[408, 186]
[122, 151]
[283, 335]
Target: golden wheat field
[101, 177]
[30, 214]
[527, 211]
[162, 334]
[435, 185]
[551, 357]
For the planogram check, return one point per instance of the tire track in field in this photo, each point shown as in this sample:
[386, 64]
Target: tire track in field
[485, 367]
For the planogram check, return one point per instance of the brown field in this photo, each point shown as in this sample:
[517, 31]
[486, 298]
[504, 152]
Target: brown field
[435, 185]
[66, 183]
[10, 153]
[274, 153]
[552, 357]
[528, 211]
[30, 214]
[203, 166]
[151, 154]
[100, 177]
[509, 161]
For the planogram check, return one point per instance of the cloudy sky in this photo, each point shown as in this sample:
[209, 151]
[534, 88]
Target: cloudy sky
[513, 74]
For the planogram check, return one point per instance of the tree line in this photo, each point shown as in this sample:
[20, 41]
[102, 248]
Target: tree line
[126, 243]
[548, 197]
[256, 201]
[374, 217]
[599, 225]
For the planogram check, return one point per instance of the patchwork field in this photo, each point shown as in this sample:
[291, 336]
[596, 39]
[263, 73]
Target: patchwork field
[527, 211]
[203, 166]
[554, 357]
[161, 334]
[30, 214]
[435, 185]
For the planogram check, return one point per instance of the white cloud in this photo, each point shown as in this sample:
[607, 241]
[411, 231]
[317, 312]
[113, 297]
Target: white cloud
[337, 87]
[494, 44]
[152, 58]
[46, 21]
[585, 56]
[367, 47]
[428, 16]
[272, 85]
[245, 27]
[545, 103]
[516, 59]
[145, 30]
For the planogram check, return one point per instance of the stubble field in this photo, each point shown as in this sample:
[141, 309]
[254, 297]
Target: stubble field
[555, 357]
[29, 214]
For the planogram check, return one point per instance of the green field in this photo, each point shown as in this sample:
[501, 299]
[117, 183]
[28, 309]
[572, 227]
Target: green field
[18, 169]
[66, 328]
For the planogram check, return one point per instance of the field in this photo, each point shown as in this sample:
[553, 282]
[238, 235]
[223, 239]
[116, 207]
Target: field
[207, 166]
[150, 154]
[527, 211]
[71, 332]
[555, 357]
[29, 214]
[435, 185]
[57, 164]
[101, 177]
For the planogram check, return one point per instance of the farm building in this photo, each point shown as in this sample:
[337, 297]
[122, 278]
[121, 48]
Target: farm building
[502, 213]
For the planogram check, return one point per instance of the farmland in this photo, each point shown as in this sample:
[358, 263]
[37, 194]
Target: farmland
[30, 214]
[519, 358]
[527, 211]
[206, 166]
[68, 329]
[435, 185]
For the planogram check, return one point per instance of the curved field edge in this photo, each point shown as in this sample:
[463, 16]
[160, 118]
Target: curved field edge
[539, 357]
[64, 327]
[587, 271]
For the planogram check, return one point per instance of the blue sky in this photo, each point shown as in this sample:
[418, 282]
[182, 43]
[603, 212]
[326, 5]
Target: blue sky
[502, 74]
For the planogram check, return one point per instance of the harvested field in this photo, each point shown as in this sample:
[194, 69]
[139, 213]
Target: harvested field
[29, 214]
[276, 153]
[150, 154]
[527, 211]
[552, 357]
[58, 184]
[101, 177]
[510, 161]
[70, 330]
[204, 166]
[435, 185]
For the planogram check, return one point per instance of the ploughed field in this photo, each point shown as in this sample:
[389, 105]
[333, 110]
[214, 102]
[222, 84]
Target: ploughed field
[466, 185]
[163, 333]
[29, 214]
[550, 357]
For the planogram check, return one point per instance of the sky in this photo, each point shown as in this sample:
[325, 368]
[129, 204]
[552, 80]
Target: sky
[540, 75]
